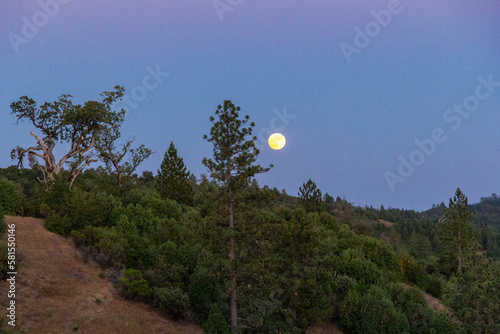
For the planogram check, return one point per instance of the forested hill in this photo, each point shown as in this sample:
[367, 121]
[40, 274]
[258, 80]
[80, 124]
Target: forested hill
[486, 217]
[300, 260]
[487, 211]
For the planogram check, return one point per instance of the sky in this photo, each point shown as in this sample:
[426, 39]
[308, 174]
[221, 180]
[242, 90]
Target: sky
[393, 103]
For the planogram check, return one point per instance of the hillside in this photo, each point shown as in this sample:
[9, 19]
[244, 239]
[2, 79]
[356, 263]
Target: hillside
[302, 263]
[56, 291]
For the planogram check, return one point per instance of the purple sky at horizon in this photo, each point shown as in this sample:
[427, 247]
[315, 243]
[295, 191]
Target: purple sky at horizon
[352, 121]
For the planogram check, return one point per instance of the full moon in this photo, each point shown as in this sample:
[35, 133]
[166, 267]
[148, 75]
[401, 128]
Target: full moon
[277, 141]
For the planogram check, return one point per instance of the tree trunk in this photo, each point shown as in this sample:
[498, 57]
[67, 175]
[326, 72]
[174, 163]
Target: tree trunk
[232, 258]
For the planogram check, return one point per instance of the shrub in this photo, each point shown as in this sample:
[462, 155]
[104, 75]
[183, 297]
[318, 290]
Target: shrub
[109, 245]
[409, 269]
[91, 209]
[11, 199]
[172, 300]
[3, 225]
[45, 210]
[78, 239]
[204, 291]
[161, 207]
[348, 311]
[380, 253]
[421, 318]
[58, 197]
[58, 224]
[354, 265]
[434, 286]
[133, 286]
[216, 323]
[377, 314]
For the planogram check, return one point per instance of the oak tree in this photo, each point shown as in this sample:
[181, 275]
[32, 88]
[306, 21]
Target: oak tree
[123, 161]
[62, 121]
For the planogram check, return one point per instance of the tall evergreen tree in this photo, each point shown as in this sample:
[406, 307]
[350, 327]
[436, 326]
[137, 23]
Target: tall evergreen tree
[174, 178]
[233, 167]
[457, 233]
[310, 196]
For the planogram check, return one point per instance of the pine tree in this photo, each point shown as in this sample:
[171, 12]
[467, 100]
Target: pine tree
[174, 179]
[233, 167]
[310, 196]
[457, 233]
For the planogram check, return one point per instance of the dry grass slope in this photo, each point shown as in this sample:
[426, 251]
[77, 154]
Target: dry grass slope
[56, 291]
[386, 223]
[326, 328]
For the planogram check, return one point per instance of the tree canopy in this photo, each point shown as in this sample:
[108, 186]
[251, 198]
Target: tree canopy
[173, 180]
[62, 121]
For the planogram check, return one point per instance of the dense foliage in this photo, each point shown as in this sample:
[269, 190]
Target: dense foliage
[295, 268]
[11, 201]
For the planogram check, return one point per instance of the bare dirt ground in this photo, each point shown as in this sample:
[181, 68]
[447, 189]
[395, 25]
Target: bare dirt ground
[327, 328]
[386, 223]
[56, 292]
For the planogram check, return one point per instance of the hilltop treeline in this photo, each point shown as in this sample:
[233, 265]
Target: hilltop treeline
[300, 260]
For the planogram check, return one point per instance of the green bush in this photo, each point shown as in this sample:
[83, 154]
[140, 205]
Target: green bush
[172, 300]
[380, 253]
[91, 209]
[354, 265]
[133, 285]
[44, 210]
[377, 314]
[108, 246]
[78, 239]
[161, 207]
[11, 199]
[204, 292]
[59, 195]
[348, 310]
[3, 225]
[409, 269]
[216, 323]
[58, 224]
[434, 286]
[372, 312]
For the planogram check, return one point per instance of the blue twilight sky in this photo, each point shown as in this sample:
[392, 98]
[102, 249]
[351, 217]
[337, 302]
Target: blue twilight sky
[353, 85]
